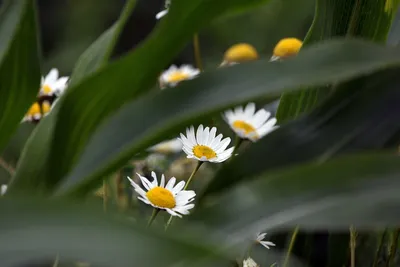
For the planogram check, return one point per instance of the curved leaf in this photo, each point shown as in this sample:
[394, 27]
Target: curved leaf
[349, 120]
[169, 111]
[19, 64]
[358, 189]
[41, 229]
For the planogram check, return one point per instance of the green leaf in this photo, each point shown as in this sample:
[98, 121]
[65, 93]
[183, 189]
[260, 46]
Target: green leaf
[312, 196]
[35, 229]
[99, 52]
[19, 64]
[82, 110]
[370, 123]
[168, 111]
[31, 171]
[367, 19]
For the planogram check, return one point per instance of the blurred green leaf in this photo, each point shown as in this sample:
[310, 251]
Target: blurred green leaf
[331, 195]
[19, 64]
[349, 120]
[169, 111]
[99, 52]
[41, 229]
[367, 19]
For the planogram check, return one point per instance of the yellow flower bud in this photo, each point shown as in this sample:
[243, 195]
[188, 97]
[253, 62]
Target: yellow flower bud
[286, 47]
[239, 53]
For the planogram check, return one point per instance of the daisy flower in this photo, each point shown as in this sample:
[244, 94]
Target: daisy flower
[260, 238]
[164, 12]
[52, 84]
[34, 113]
[170, 197]
[174, 75]
[248, 124]
[205, 146]
[249, 262]
[167, 147]
[3, 189]
[239, 53]
[285, 48]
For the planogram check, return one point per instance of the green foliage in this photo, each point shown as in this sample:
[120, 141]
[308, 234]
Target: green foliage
[316, 172]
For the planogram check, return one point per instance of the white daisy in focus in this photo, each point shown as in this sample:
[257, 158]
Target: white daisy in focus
[3, 189]
[249, 262]
[205, 146]
[174, 75]
[167, 147]
[164, 12]
[52, 84]
[260, 238]
[170, 197]
[248, 124]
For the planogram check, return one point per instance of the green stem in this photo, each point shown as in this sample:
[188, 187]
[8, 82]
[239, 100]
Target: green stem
[393, 248]
[199, 163]
[238, 142]
[353, 242]
[291, 245]
[196, 51]
[379, 249]
[105, 195]
[153, 216]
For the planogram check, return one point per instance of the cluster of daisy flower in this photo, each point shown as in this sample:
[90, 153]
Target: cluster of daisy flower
[52, 86]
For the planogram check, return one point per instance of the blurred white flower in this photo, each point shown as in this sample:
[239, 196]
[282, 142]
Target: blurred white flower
[249, 262]
[260, 238]
[167, 147]
[248, 124]
[170, 197]
[175, 75]
[164, 12]
[3, 189]
[205, 146]
[52, 84]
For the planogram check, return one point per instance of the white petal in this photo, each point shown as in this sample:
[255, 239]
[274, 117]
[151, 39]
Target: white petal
[223, 145]
[250, 109]
[146, 183]
[216, 141]
[171, 183]
[52, 76]
[191, 135]
[162, 182]
[173, 213]
[161, 14]
[199, 134]
[260, 117]
[206, 134]
[211, 136]
[178, 188]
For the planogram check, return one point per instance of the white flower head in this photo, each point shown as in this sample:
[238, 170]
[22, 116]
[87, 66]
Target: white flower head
[260, 238]
[248, 124]
[249, 262]
[205, 146]
[3, 189]
[170, 197]
[174, 75]
[52, 84]
[164, 12]
[167, 147]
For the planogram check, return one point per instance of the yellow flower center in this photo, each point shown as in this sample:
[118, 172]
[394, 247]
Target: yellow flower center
[161, 197]
[241, 53]
[34, 109]
[177, 77]
[204, 151]
[244, 126]
[287, 47]
[46, 107]
[47, 89]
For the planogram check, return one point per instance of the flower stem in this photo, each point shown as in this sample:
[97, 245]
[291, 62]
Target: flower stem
[196, 51]
[238, 142]
[379, 248]
[393, 248]
[291, 245]
[153, 216]
[105, 195]
[353, 238]
[199, 163]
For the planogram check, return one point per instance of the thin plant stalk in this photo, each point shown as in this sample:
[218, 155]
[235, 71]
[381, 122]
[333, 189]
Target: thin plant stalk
[393, 248]
[153, 216]
[105, 196]
[291, 245]
[199, 163]
[379, 248]
[353, 242]
[238, 142]
[197, 52]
